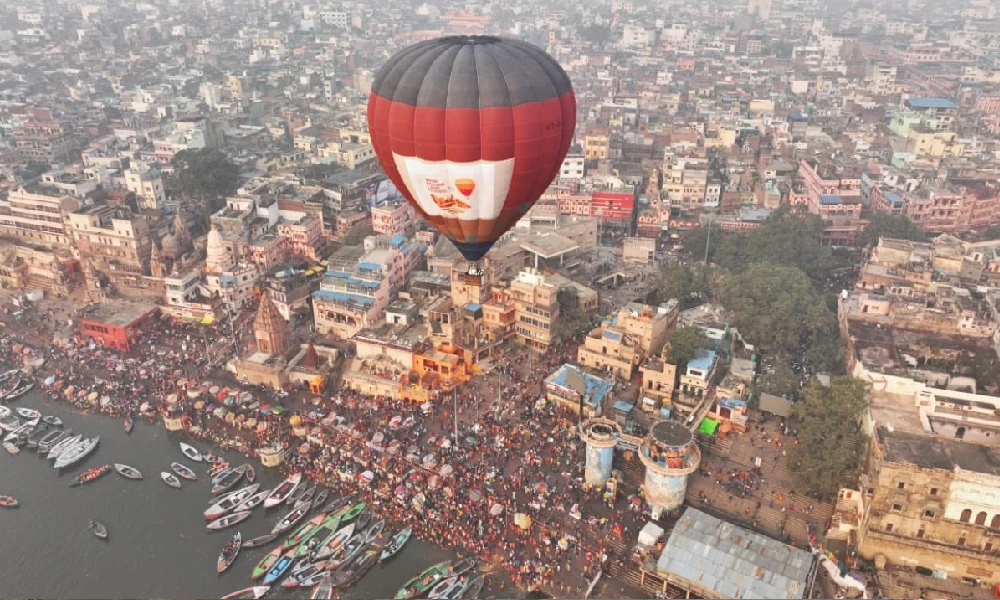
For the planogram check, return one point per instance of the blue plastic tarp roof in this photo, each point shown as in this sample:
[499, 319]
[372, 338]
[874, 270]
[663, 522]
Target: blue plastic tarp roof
[343, 297]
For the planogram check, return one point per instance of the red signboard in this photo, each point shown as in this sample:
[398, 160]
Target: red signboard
[612, 206]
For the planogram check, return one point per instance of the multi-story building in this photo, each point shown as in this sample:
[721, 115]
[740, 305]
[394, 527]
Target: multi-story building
[659, 380]
[609, 349]
[833, 192]
[932, 504]
[536, 309]
[113, 242]
[147, 184]
[36, 215]
[499, 314]
[46, 142]
[394, 218]
[304, 235]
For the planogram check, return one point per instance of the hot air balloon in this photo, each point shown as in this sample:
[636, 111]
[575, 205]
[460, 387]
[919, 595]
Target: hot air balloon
[472, 130]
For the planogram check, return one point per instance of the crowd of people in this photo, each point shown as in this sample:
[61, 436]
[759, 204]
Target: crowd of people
[502, 490]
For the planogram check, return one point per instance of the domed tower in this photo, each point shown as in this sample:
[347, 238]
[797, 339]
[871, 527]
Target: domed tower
[669, 454]
[269, 328]
[217, 258]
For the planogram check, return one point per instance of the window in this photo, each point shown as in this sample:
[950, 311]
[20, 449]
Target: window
[897, 507]
[960, 433]
[995, 522]
[966, 515]
[981, 518]
[929, 513]
[988, 547]
[921, 532]
[934, 491]
[901, 485]
[961, 539]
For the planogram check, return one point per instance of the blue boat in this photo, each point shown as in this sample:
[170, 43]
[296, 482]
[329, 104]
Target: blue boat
[279, 568]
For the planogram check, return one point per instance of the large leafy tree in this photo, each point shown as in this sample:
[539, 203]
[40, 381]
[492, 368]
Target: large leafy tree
[785, 240]
[831, 445]
[205, 174]
[778, 309]
[676, 280]
[696, 240]
[891, 226]
[781, 381]
[683, 344]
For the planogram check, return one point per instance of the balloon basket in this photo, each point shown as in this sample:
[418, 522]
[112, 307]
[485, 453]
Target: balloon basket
[475, 269]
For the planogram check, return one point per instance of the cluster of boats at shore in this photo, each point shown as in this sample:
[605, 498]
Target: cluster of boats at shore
[27, 428]
[13, 385]
[338, 545]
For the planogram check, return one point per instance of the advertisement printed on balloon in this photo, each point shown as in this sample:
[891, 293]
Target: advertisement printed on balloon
[468, 191]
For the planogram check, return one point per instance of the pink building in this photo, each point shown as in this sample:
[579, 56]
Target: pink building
[570, 202]
[833, 192]
[269, 251]
[304, 236]
[989, 105]
[394, 218]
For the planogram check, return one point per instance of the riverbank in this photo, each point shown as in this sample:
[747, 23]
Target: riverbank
[519, 457]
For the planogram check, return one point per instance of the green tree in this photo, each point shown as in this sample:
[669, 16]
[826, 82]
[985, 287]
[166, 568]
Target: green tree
[687, 283]
[572, 320]
[777, 309]
[205, 174]
[831, 446]
[683, 344]
[781, 381]
[784, 239]
[694, 242]
[891, 226]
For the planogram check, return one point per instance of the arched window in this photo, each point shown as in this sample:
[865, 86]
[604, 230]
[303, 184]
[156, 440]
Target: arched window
[981, 518]
[966, 515]
[960, 433]
[995, 522]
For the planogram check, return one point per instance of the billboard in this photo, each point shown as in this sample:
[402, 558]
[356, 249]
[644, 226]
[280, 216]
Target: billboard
[380, 192]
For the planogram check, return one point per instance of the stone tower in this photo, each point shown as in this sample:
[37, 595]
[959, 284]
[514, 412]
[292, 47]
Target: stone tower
[269, 328]
[217, 258]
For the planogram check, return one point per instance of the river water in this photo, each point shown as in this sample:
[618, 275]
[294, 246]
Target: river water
[158, 546]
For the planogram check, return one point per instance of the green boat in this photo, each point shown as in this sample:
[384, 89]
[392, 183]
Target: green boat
[296, 538]
[328, 526]
[421, 583]
[266, 563]
[353, 513]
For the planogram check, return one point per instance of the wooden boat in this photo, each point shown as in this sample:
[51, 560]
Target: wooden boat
[335, 541]
[321, 496]
[279, 568]
[353, 513]
[459, 567]
[52, 420]
[396, 543]
[361, 523]
[225, 483]
[450, 587]
[127, 472]
[251, 475]
[348, 552]
[24, 430]
[213, 459]
[423, 581]
[19, 391]
[305, 529]
[5, 412]
[474, 589]
[11, 448]
[308, 495]
[217, 468]
[260, 540]
[230, 502]
[283, 490]
[77, 453]
[91, 475]
[296, 494]
[9, 423]
[374, 531]
[9, 374]
[229, 553]
[336, 504]
[228, 521]
[170, 479]
[297, 513]
[221, 497]
[356, 570]
[8, 501]
[253, 501]
[129, 425]
[99, 530]
[64, 445]
[37, 435]
[183, 471]
[303, 572]
[266, 563]
[50, 439]
[310, 541]
[324, 589]
[190, 452]
[219, 476]
[251, 593]
[28, 413]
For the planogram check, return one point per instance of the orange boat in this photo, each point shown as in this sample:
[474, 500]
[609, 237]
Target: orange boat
[90, 475]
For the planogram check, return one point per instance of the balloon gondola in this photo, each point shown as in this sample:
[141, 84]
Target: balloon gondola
[471, 130]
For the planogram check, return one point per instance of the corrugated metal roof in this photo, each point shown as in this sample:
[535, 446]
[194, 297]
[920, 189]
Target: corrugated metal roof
[733, 561]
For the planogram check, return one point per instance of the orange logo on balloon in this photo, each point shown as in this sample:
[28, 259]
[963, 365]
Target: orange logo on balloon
[465, 186]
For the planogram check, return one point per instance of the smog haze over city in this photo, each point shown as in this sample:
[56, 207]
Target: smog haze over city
[448, 299]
